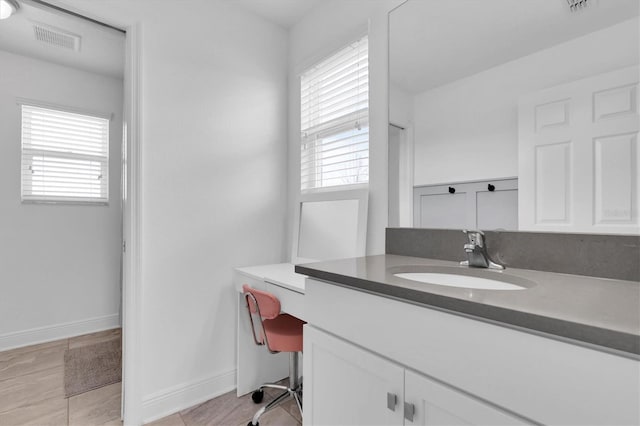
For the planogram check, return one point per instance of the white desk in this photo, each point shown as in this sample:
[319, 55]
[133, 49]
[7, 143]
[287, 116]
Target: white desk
[256, 365]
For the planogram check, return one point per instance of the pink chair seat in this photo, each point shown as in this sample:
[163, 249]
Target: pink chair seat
[284, 333]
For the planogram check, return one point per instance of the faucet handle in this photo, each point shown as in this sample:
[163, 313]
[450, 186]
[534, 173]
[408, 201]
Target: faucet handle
[476, 237]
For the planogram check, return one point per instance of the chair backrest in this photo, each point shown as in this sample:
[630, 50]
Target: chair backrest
[268, 305]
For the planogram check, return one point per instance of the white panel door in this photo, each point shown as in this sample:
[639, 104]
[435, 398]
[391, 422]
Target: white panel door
[346, 385]
[431, 403]
[579, 156]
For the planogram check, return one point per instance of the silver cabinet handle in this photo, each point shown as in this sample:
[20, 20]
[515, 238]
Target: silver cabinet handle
[392, 400]
[409, 411]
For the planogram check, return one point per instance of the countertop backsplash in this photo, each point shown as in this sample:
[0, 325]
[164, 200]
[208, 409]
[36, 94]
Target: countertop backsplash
[597, 255]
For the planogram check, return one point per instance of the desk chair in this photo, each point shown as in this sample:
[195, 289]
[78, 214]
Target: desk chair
[279, 333]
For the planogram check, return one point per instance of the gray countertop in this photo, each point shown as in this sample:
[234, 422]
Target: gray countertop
[596, 311]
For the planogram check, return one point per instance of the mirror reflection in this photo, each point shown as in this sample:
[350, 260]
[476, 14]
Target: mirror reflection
[514, 115]
[61, 174]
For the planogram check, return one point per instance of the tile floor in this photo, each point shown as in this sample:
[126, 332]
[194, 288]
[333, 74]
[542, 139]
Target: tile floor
[32, 393]
[32, 387]
[229, 410]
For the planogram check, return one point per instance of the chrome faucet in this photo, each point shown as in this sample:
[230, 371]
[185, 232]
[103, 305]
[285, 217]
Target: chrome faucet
[476, 251]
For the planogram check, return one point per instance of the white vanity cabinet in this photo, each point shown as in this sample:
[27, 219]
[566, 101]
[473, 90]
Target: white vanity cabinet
[353, 386]
[360, 347]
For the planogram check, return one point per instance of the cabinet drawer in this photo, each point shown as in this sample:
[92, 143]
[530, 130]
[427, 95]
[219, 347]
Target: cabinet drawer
[240, 279]
[291, 302]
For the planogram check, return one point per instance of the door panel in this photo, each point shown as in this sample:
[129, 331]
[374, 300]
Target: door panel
[615, 179]
[553, 183]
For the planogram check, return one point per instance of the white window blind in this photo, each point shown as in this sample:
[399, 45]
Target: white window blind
[64, 156]
[335, 119]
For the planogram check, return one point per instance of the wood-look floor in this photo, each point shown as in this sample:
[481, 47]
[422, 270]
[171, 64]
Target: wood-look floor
[32, 387]
[229, 410]
[32, 393]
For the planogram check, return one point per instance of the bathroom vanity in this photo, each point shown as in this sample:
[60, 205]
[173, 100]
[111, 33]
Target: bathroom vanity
[380, 349]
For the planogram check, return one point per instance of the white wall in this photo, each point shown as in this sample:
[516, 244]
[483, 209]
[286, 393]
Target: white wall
[400, 158]
[400, 107]
[59, 264]
[468, 129]
[214, 171]
[331, 25]
[214, 116]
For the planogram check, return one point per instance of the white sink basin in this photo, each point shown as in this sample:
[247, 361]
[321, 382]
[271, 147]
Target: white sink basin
[458, 280]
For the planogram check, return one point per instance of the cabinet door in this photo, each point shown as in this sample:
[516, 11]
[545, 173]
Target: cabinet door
[435, 404]
[487, 205]
[443, 211]
[347, 385]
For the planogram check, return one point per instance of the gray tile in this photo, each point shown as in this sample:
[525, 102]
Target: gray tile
[22, 361]
[276, 417]
[270, 393]
[291, 407]
[172, 420]
[228, 409]
[97, 407]
[41, 346]
[225, 409]
[31, 388]
[50, 412]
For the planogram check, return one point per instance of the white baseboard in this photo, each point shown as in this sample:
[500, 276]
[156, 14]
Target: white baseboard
[51, 333]
[176, 398]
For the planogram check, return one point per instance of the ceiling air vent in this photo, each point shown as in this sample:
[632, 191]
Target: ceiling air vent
[576, 5]
[56, 37]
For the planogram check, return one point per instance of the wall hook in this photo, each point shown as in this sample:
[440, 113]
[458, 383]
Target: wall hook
[452, 190]
[491, 187]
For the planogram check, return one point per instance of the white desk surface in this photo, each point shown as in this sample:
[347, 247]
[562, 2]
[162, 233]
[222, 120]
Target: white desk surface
[280, 274]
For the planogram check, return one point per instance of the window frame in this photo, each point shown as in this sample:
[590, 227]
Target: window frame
[27, 198]
[310, 155]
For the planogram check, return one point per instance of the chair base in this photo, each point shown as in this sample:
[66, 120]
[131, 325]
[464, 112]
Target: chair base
[288, 393]
[294, 390]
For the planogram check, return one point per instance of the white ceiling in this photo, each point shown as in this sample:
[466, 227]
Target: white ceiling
[281, 12]
[435, 42]
[101, 48]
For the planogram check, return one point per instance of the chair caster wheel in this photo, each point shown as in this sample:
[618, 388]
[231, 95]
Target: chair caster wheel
[251, 424]
[257, 396]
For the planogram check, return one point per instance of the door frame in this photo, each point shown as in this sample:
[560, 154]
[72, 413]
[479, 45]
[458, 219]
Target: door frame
[132, 231]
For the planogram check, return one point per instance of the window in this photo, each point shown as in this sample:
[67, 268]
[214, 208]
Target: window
[334, 99]
[65, 156]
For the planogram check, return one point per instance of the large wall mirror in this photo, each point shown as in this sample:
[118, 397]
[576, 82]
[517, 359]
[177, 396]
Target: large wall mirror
[516, 115]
